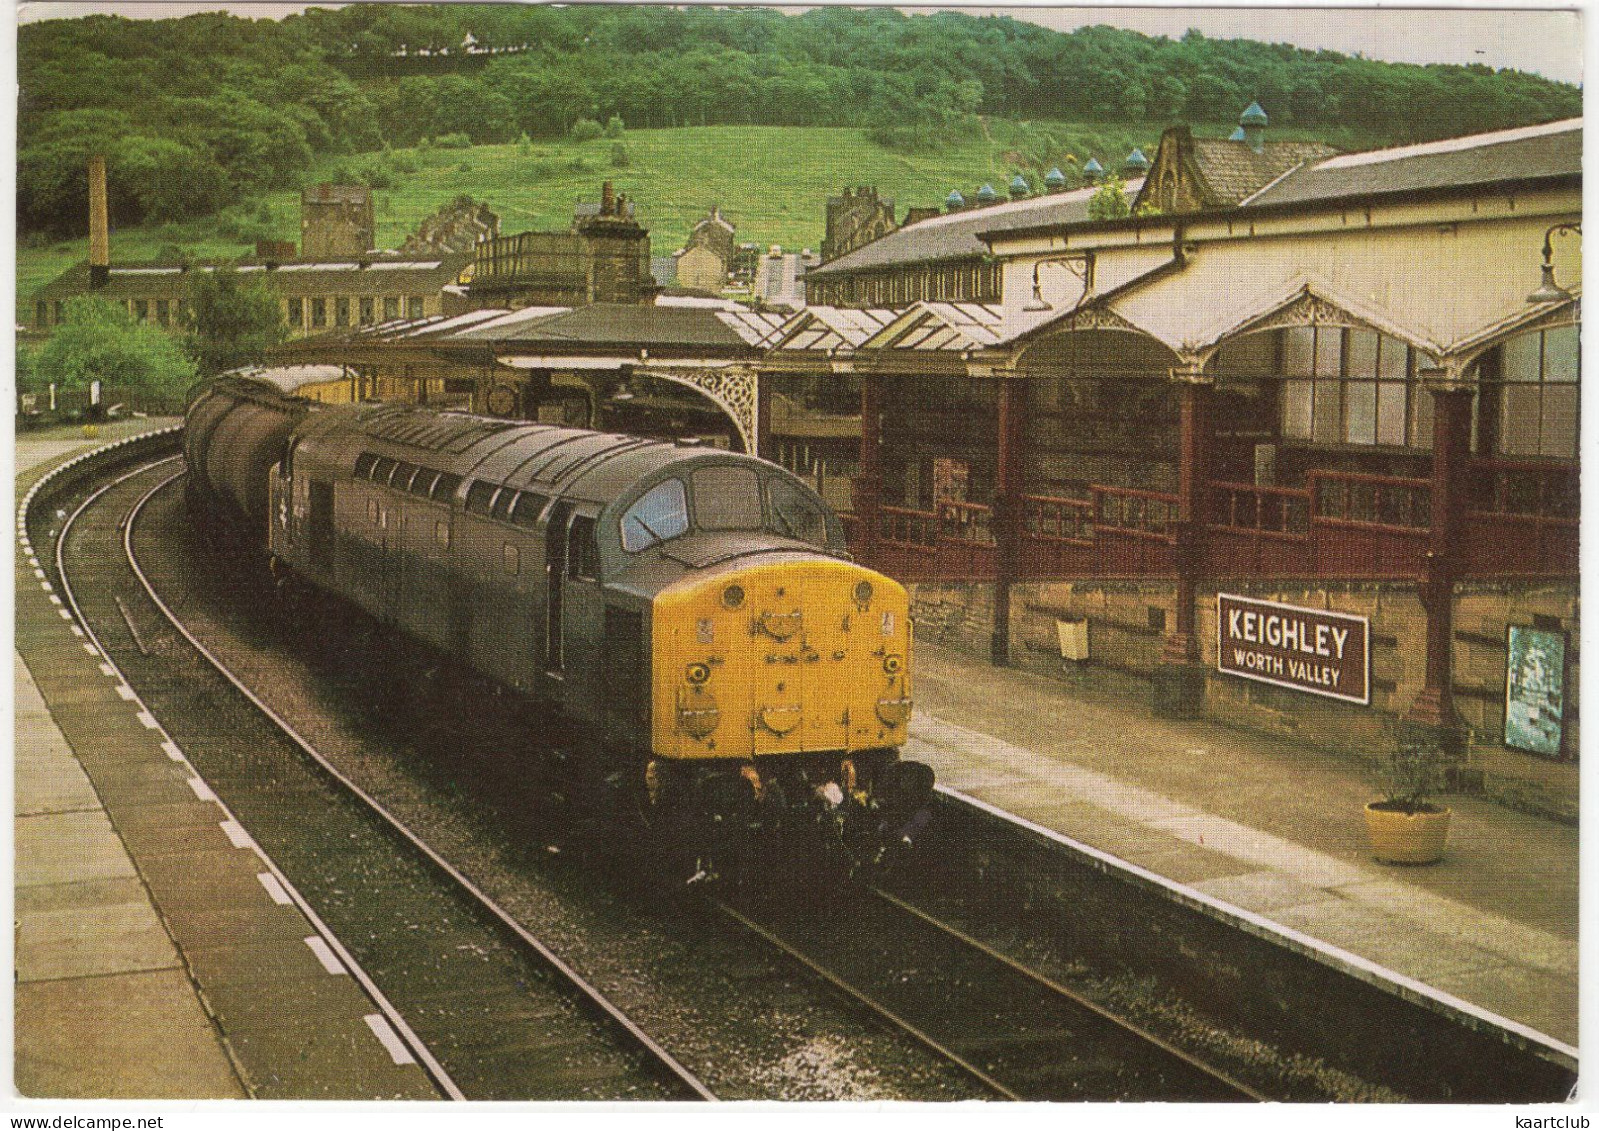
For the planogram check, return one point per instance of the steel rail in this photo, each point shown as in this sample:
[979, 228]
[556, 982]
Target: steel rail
[920, 1036]
[1077, 999]
[586, 989]
[413, 1043]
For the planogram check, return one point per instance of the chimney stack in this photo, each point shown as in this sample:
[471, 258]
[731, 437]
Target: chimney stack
[99, 226]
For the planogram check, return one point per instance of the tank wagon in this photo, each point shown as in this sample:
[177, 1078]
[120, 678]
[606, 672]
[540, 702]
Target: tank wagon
[694, 608]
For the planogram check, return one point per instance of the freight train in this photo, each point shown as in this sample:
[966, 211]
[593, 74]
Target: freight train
[694, 609]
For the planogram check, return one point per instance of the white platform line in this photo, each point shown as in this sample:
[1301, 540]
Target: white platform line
[390, 1040]
[64, 614]
[108, 671]
[37, 572]
[171, 750]
[76, 631]
[148, 720]
[274, 889]
[324, 953]
[201, 790]
[125, 691]
[236, 834]
[45, 585]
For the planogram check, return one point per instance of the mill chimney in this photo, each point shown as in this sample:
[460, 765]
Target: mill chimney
[99, 226]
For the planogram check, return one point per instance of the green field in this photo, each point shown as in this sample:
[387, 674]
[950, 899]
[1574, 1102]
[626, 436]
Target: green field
[771, 181]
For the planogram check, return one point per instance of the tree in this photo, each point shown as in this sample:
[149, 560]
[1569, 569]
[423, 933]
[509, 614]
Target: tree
[98, 341]
[1110, 202]
[231, 321]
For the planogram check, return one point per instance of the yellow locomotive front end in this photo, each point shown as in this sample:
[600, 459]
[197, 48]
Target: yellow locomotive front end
[781, 695]
[786, 658]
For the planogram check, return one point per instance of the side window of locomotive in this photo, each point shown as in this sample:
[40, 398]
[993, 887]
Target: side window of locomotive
[727, 498]
[445, 486]
[422, 484]
[403, 474]
[658, 514]
[794, 514]
[502, 504]
[528, 509]
[583, 552]
[363, 465]
[478, 496]
[382, 469]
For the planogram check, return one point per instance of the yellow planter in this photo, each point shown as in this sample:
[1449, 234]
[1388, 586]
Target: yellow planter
[1406, 838]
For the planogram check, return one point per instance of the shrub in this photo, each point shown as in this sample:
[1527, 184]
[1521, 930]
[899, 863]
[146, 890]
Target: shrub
[614, 127]
[453, 141]
[404, 164]
[586, 129]
[619, 156]
[580, 165]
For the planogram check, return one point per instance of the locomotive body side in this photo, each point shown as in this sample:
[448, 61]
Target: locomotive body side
[695, 608]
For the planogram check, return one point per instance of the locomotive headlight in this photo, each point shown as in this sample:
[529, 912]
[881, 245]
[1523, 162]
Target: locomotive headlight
[733, 596]
[863, 593]
[892, 664]
[697, 674]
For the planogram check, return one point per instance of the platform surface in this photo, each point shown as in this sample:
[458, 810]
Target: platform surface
[1270, 827]
[157, 954]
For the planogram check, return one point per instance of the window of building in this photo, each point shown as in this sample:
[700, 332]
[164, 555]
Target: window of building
[61, 311]
[1345, 386]
[42, 312]
[319, 313]
[413, 306]
[341, 311]
[141, 310]
[163, 312]
[366, 312]
[296, 308]
[1538, 408]
[391, 308]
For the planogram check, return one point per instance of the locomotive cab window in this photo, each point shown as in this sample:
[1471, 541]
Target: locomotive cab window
[528, 508]
[727, 498]
[659, 514]
[382, 470]
[502, 504]
[795, 514]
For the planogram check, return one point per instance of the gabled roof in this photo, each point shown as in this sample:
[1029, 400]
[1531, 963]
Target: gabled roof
[630, 326]
[954, 235]
[830, 329]
[1232, 170]
[1529, 153]
[305, 277]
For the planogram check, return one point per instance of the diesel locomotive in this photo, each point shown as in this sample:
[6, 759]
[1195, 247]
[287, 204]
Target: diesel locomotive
[695, 609]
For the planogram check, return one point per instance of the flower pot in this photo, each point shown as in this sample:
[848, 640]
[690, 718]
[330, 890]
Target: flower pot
[1398, 837]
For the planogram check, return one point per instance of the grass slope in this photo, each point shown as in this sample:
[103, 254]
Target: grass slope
[771, 181]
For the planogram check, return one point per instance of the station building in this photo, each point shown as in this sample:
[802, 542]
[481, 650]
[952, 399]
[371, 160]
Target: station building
[1341, 387]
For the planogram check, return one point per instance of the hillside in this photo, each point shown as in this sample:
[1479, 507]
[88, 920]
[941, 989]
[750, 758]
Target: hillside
[772, 181]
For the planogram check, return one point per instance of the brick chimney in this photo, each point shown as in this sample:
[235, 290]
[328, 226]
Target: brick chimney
[99, 226]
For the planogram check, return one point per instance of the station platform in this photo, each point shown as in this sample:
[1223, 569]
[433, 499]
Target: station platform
[1274, 828]
[158, 954]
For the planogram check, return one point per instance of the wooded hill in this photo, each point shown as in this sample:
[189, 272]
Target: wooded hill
[205, 111]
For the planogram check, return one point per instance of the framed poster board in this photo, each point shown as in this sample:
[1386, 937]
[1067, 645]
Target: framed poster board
[1535, 690]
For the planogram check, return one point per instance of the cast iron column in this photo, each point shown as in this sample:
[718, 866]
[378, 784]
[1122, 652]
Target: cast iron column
[868, 485]
[1433, 711]
[1180, 676]
[763, 416]
[1006, 515]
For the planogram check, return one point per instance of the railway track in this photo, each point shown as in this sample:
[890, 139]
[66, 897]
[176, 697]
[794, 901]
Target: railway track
[1016, 1032]
[491, 1009]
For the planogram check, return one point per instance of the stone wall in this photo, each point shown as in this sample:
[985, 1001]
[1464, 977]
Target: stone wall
[1128, 623]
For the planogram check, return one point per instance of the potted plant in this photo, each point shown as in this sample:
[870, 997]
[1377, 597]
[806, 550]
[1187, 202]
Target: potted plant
[1407, 826]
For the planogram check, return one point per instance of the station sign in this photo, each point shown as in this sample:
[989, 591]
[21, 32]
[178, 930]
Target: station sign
[1309, 650]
